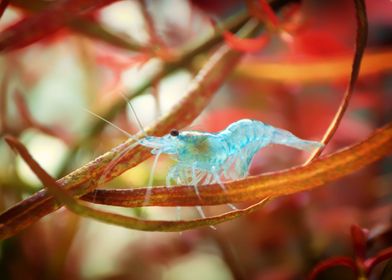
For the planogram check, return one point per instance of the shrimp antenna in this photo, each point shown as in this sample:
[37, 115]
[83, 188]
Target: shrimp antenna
[111, 124]
[139, 123]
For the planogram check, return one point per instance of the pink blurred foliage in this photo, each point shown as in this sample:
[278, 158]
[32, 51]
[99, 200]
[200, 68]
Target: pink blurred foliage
[31, 29]
[289, 236]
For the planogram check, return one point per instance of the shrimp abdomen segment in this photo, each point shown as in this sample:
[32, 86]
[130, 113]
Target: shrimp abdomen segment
[284, 137]
[243, 139]
[256, 134]
[246, 132]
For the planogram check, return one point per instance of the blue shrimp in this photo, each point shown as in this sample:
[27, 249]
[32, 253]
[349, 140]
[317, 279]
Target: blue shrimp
[205, 158]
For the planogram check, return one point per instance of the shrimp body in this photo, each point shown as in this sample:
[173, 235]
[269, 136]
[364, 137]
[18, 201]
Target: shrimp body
[206, 158]
[226, 154]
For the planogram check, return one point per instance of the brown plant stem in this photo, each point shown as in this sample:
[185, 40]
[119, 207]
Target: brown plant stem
[285, 182]
[361, 39]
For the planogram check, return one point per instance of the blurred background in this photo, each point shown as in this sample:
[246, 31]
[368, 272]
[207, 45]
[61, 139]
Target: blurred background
[296, 82]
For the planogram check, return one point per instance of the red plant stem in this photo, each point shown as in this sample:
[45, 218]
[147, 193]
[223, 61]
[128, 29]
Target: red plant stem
[154, 38]
[381, 256]
[35, 27]
[270, 14]
[338, 261]
[361, 39]
[245, 44]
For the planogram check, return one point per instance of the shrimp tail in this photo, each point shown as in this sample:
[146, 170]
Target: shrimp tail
[284, 137]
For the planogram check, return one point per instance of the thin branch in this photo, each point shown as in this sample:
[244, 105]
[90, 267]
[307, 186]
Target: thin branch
[338, 261]
[84, 25]
[380, 257]
[29, 121]
[154, 37]
[361, 39]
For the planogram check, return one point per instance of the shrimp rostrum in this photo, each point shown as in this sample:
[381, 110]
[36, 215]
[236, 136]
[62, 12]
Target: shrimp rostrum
[205, 158]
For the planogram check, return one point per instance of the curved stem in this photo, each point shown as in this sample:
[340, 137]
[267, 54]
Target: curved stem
[338, 261]
[361, 39]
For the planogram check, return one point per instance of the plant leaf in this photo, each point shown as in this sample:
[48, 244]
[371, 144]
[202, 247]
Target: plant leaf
[36, 27]
[269, 13]
[359, 238]
[85, 25]
[383, 255]
[338, 261]
[245, 44]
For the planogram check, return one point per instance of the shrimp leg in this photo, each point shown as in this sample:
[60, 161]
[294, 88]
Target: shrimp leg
[194, 184]
[218, 180]
[284, 137]
[173, 172]
[150, 179]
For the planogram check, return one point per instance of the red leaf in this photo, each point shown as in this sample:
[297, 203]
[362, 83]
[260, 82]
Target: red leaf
[381, 256]
[215, 7]
[36, 27]
[320, 42]
[359, 238]
[269, 13]
[338, 261]
[245, 45]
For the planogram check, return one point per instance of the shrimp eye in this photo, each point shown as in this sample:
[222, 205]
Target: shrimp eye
[174, 132]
